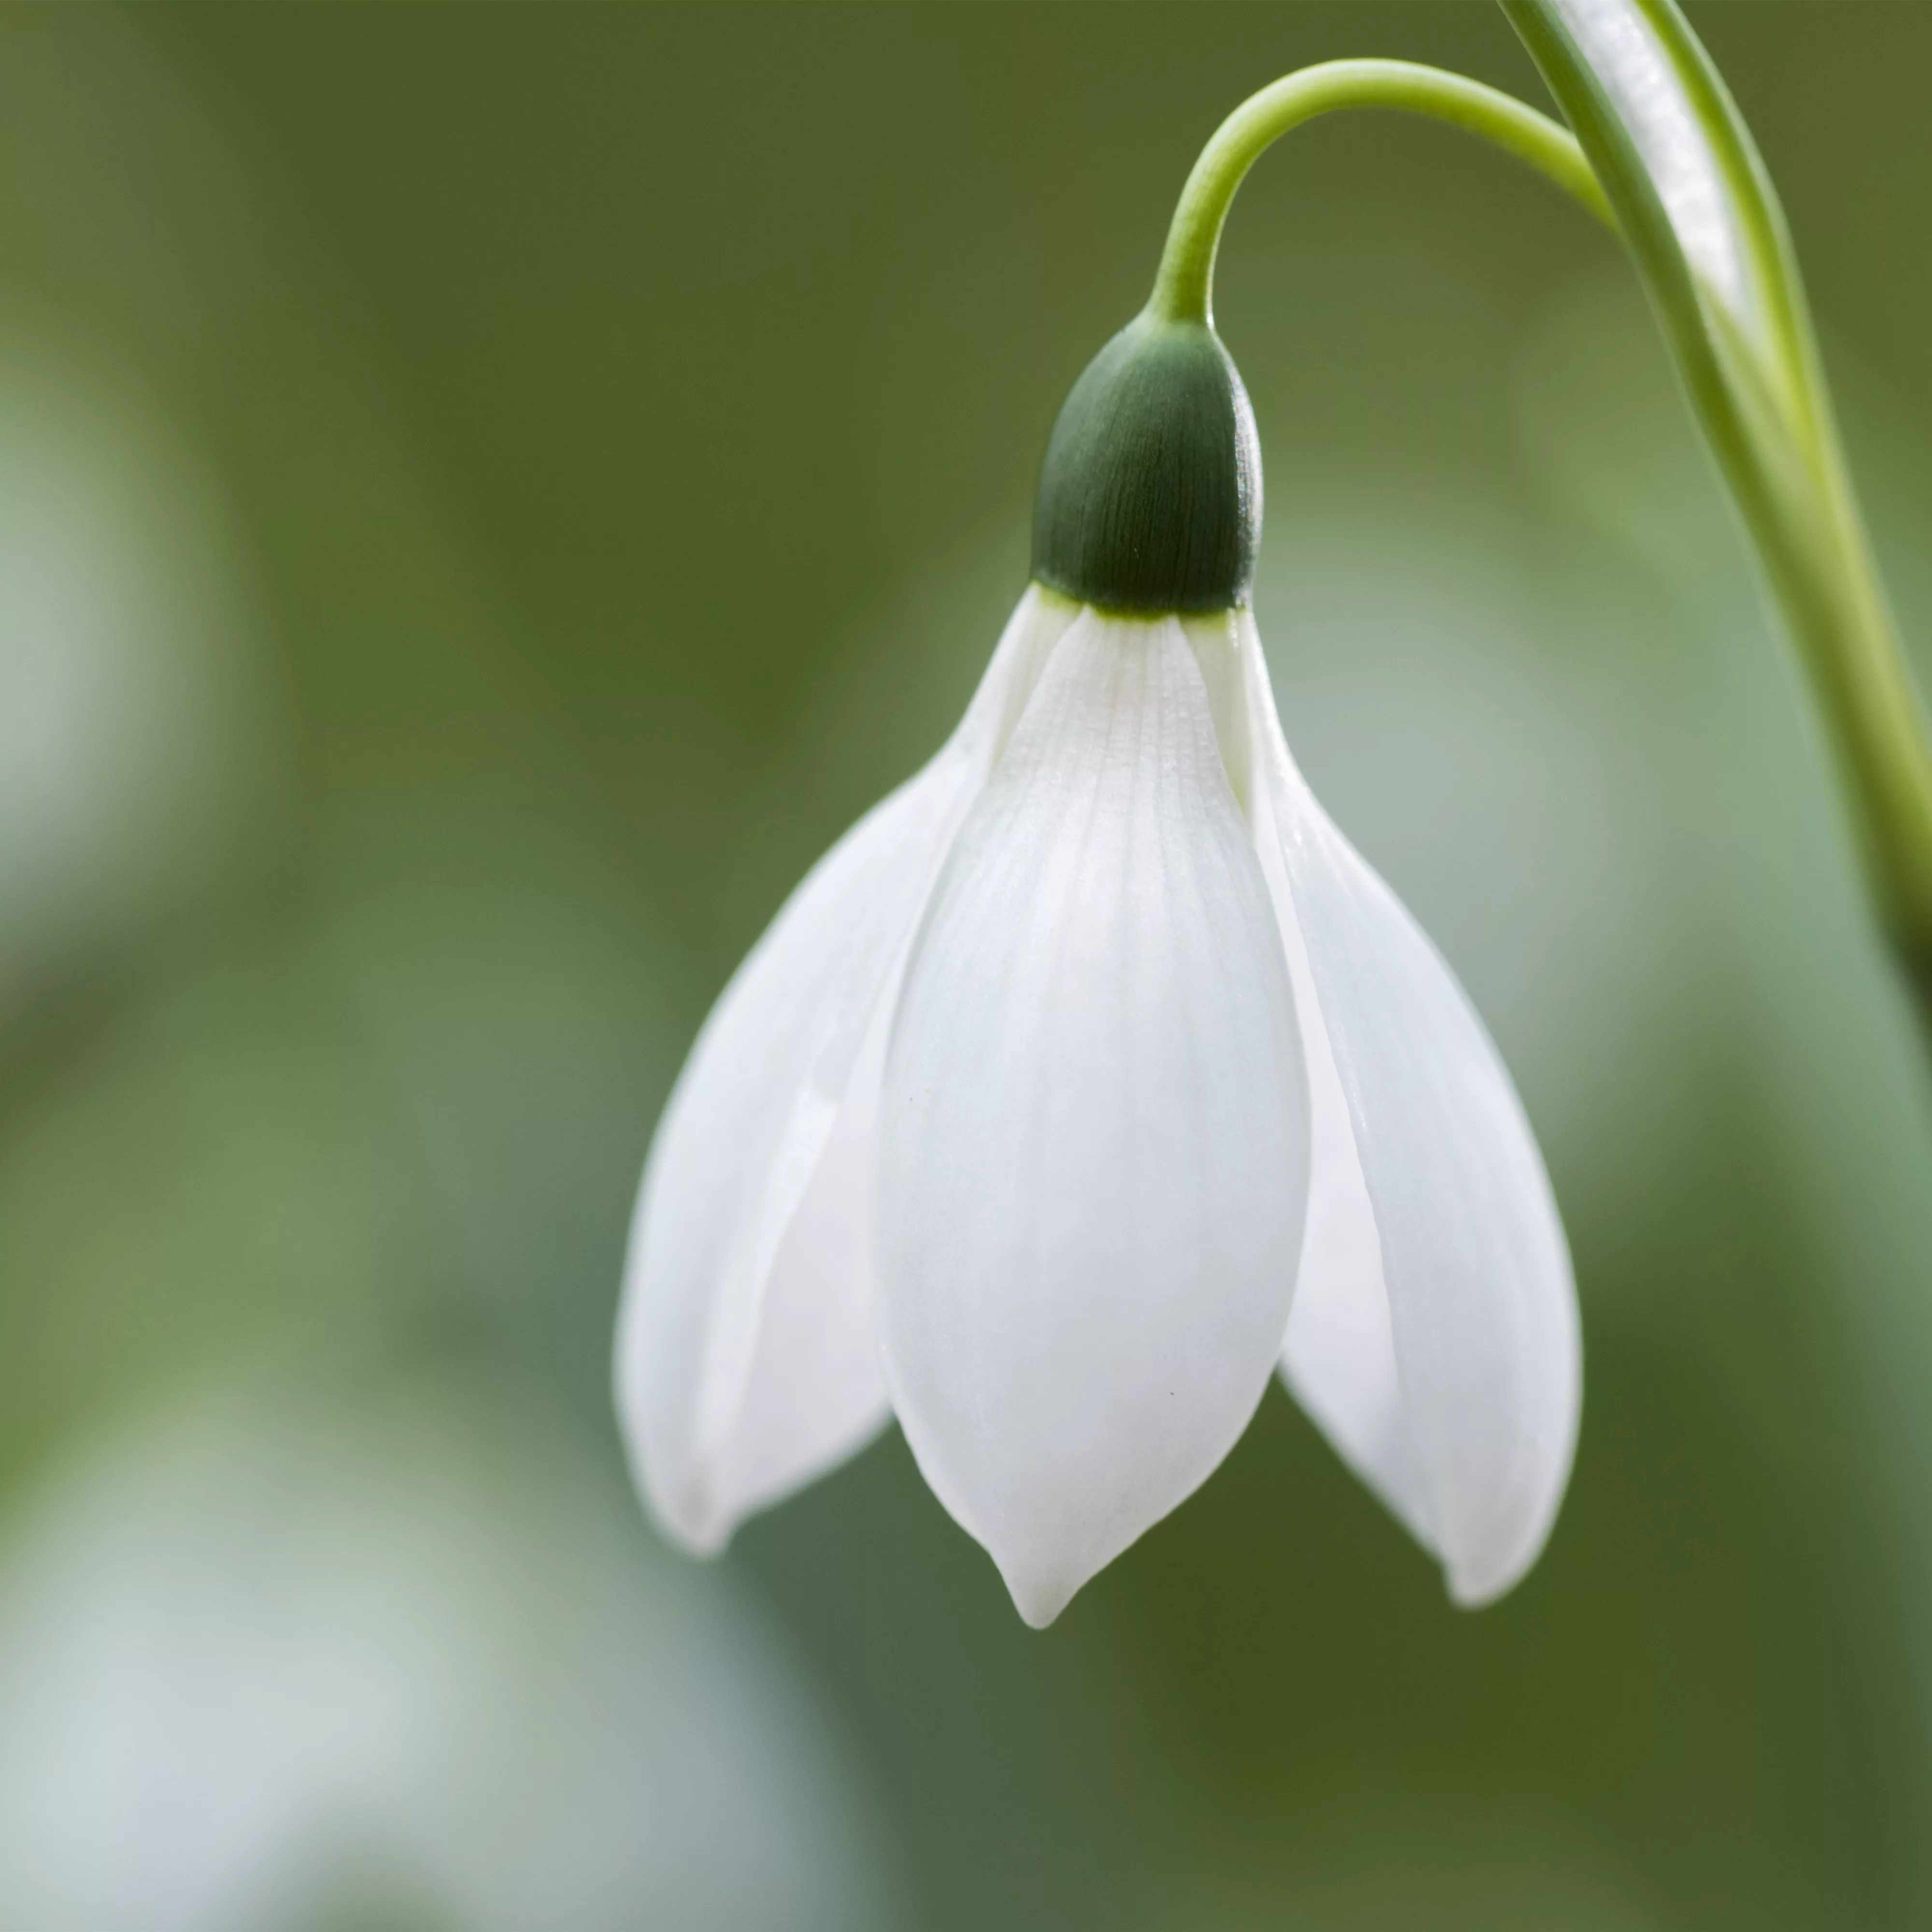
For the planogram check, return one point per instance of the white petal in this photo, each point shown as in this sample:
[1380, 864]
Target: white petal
[1339, 1358]
[1438, 1341]
[1093, 1149]
[747, 1357]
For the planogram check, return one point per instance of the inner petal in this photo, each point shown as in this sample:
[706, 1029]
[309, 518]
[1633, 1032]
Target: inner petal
[1339, 1359]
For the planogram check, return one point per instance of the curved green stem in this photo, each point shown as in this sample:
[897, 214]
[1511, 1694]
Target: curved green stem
[1183, 291]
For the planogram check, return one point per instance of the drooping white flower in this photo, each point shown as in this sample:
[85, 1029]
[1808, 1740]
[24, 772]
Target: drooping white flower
[1093, 1078]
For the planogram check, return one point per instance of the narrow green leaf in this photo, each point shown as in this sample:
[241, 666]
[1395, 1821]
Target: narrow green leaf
[1704, 228]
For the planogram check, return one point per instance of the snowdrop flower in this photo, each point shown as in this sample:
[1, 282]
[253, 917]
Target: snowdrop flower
[1092, 1078]
[1093, 1074]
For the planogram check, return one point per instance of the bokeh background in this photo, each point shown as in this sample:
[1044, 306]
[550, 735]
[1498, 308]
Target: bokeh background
[485, 497]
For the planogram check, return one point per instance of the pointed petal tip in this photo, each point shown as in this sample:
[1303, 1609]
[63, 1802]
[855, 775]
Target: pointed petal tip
[1474, 1591]
[695, 1531]
[1487, 1570]
[1473, 1584]
[1039, 1596]
[685, 1513]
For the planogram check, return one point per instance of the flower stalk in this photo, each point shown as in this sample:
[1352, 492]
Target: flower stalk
[1183, 290]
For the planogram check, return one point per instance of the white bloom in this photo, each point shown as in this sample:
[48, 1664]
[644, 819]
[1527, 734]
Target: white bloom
[1091, 1077]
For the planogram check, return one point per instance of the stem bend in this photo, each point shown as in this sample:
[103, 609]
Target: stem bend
[1183, 291]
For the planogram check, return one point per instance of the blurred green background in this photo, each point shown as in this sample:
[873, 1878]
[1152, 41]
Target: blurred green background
[486, 496]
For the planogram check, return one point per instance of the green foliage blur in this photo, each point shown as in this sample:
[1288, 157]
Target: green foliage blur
[486, 495]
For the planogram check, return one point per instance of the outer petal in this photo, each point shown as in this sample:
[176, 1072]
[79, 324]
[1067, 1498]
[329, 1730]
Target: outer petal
[747, 1354]
[1093, 1156]
[1437, 1341]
